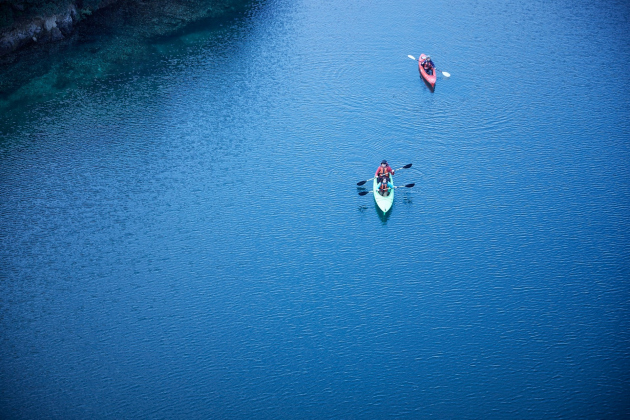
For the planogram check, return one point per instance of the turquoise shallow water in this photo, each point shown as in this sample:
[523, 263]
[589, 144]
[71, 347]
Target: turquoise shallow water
[183, 238]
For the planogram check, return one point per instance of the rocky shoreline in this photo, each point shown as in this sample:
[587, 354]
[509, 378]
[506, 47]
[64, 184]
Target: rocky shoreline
[75, 43]
[27, 24]
[61, 24]
[39, 29]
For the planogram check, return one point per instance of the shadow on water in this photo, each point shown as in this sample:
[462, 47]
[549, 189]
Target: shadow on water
[383, 216]
[432, 89]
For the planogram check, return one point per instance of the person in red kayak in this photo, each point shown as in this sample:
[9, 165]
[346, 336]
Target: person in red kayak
[428, 65]
[383, 170]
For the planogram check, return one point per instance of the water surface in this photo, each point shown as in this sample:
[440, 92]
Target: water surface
[183, 238]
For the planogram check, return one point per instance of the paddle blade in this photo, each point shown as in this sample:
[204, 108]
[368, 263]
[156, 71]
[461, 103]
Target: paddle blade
[412, 57]
[364, 192]
[407, 166]
[409, 185]
[361, 183]
[446, 74]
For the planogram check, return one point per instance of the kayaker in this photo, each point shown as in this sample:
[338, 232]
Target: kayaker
[383, 169]
[384, 186]
[428, 65]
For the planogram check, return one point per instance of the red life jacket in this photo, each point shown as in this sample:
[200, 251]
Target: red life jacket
[383, 171]
[383, 188]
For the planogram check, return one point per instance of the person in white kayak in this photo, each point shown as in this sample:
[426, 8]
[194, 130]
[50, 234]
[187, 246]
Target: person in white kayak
[384, 186]
[383, 169]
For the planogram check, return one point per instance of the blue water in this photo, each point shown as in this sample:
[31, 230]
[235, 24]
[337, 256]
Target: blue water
[184, 239]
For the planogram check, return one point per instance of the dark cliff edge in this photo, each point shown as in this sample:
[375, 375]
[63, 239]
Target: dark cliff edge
[48, 45]
[25, 23]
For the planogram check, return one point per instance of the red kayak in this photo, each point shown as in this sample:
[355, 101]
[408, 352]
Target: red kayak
[429, 78]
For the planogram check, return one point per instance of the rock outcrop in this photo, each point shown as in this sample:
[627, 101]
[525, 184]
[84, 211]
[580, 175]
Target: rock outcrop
[90, 39]
[154, 17]
[47, 29]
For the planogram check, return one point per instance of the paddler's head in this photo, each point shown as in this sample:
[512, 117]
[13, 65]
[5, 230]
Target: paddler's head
[384, 163]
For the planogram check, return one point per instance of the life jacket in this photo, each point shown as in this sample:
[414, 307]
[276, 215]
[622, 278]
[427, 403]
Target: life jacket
[383, 171]
[383, 188]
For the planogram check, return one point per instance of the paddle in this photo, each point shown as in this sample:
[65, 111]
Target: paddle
[398, 186]
[445, 73]
[404, 167]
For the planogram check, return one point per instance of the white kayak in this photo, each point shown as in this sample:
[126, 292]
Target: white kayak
[383, 202]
